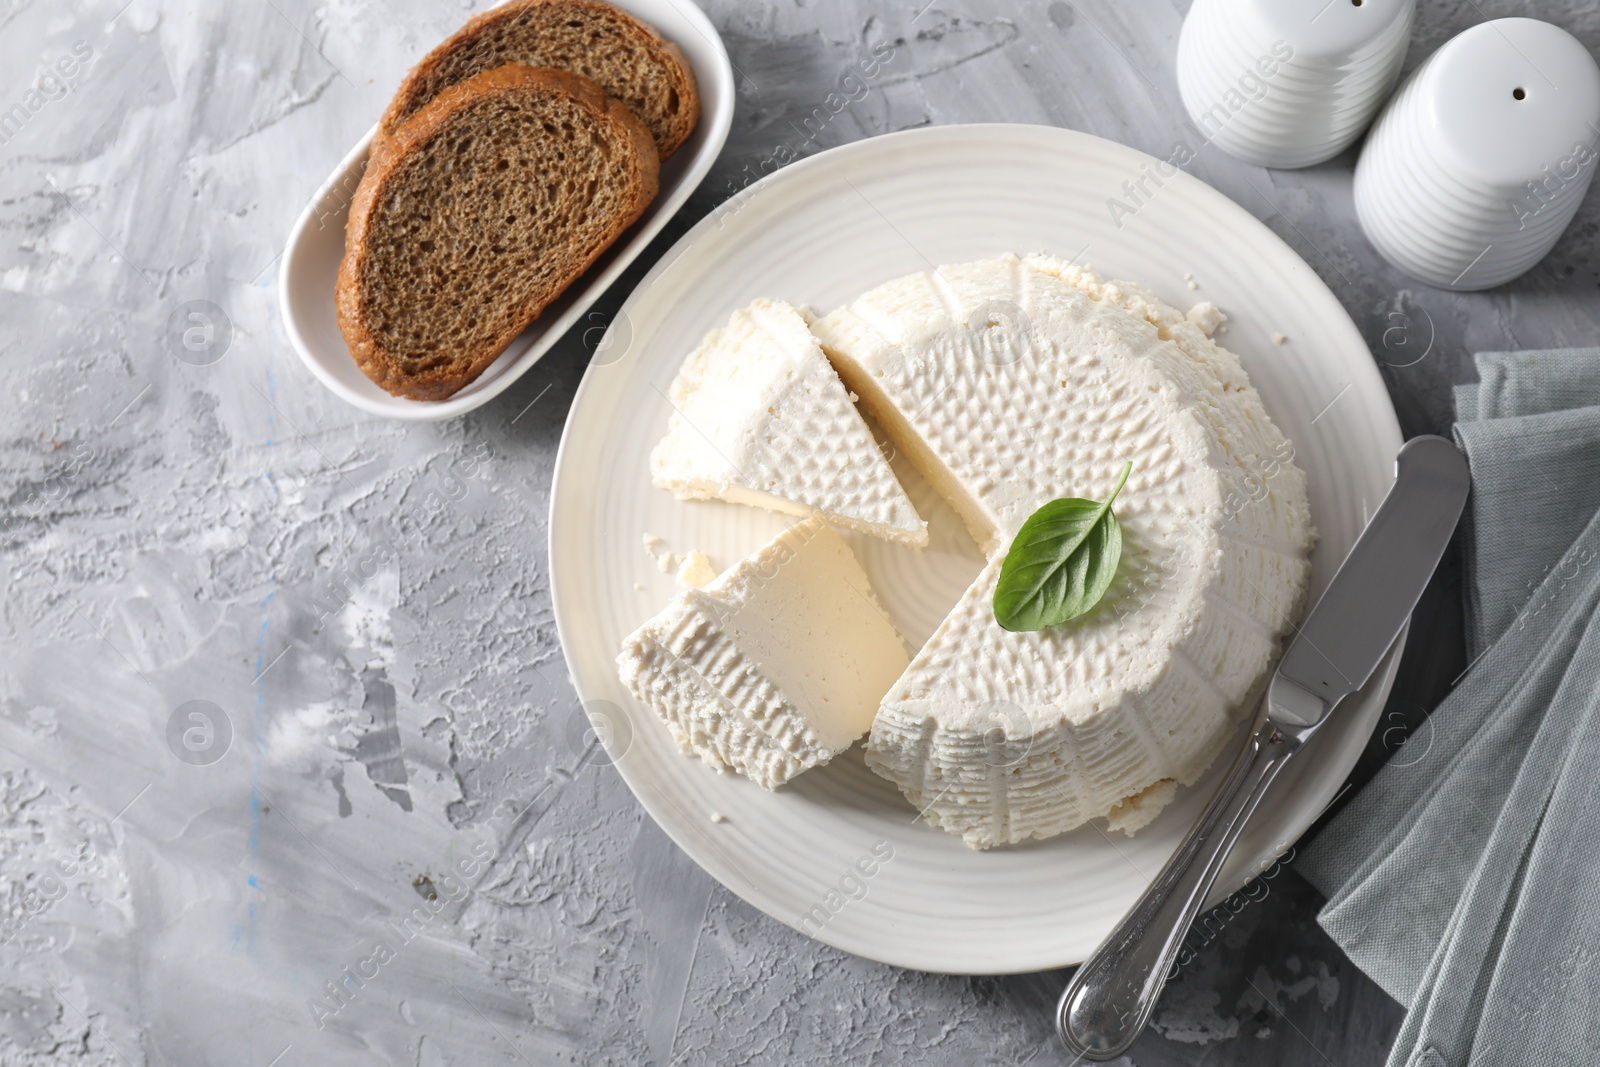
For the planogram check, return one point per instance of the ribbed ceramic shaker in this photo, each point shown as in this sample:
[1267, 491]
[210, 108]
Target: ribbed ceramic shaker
[1482, 157]
[1289, 83]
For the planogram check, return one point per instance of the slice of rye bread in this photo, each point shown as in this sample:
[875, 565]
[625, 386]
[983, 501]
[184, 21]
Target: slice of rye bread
[624, 56]
[490, 201]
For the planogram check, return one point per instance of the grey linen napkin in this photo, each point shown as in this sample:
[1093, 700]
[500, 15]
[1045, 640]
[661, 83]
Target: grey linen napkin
[1533, 439]
[1465, 879]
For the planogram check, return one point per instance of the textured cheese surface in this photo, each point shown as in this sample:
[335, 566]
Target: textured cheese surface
[760, 418]
[777, 665]
[1012, 382]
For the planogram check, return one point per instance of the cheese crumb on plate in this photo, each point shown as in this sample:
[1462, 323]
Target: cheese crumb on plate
[696, 570]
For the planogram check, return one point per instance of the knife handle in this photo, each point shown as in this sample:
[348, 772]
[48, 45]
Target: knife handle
[1111, 996]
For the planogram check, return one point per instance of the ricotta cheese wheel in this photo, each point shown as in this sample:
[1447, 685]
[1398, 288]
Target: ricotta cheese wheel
[760, 418]
[777, 665]
[1011, 382]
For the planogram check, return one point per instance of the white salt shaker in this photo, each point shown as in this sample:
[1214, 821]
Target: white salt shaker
[1289, 83]
[1481, 159]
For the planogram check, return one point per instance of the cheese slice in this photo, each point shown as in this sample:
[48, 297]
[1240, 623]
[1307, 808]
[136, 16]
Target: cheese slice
[1011, 382]
[777, 665]
[760, 418]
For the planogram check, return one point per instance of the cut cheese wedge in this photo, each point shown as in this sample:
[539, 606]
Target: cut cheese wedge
[777, 665]
[760, 418]
[1011, 382]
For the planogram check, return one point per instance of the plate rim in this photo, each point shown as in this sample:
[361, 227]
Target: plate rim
[1378, 687]
[716, 120]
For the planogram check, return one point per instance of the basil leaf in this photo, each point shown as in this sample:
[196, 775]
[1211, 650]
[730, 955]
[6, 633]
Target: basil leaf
[1061, 562]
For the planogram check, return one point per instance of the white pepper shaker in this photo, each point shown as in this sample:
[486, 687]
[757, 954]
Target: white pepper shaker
[1478, 163]
[1289, 83]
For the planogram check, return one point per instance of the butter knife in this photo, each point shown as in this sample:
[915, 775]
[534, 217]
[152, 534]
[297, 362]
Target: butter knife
[1334, 652]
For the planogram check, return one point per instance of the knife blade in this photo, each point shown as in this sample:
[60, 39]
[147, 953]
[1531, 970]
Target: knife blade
[1334, 652]
[1345, 636]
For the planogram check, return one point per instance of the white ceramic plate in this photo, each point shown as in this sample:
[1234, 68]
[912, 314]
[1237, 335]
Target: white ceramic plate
[316, 244]
[820, 232]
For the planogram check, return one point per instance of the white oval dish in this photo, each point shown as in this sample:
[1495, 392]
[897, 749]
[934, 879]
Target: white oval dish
[311, 258]
[820, 232]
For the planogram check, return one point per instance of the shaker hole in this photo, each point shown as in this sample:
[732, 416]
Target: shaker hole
[1518, 93]
[1355, 3]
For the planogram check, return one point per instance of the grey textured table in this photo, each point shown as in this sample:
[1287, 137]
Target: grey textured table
[385, 839]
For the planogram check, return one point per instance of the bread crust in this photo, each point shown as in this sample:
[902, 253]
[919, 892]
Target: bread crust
[411, 87]
[382, 366]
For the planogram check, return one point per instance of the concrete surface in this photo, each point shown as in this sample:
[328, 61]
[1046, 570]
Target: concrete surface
[290, 772]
